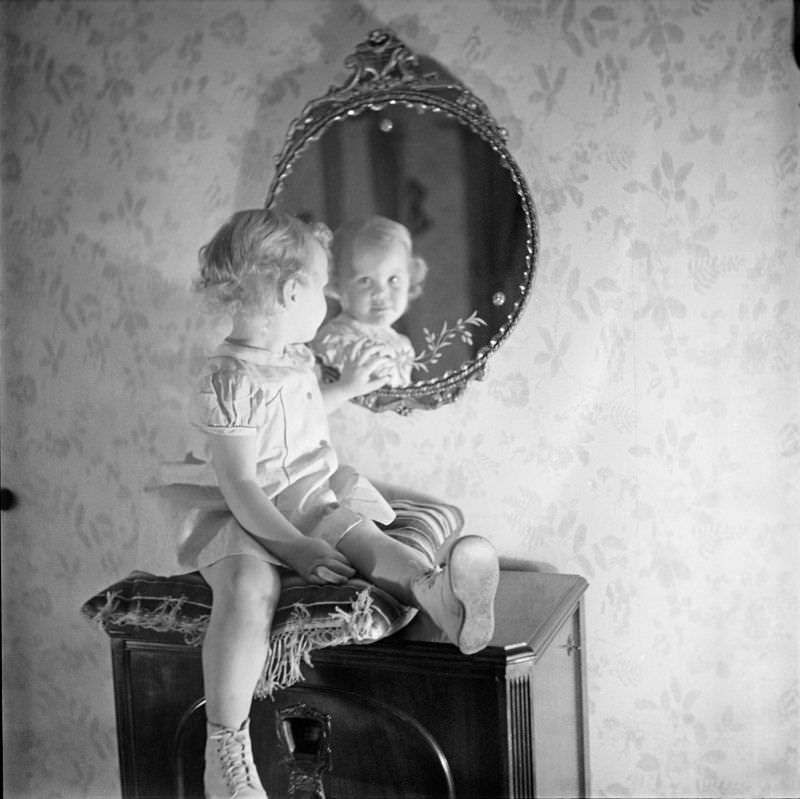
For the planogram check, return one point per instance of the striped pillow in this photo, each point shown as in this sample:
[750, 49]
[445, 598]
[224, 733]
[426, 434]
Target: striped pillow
[424, 525]
[308, 617]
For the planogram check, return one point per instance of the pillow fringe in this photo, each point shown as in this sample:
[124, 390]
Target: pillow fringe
[291, 646]
[165, 618]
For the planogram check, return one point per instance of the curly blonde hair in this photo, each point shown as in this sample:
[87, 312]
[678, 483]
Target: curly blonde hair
[252, 256]
[372, 231]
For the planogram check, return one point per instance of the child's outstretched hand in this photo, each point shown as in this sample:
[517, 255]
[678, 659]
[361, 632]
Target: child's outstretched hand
[316, 561]
[366, 367]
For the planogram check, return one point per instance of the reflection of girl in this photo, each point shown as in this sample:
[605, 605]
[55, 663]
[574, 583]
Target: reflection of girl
[375, 274]
[271, 493]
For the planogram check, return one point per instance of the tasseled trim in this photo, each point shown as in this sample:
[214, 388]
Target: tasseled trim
[290, 646]
[165, 618]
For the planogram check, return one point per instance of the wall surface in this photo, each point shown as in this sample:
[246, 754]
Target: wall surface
[641, 426]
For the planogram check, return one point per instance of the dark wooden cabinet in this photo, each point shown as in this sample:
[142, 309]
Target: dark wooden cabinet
[410, 716]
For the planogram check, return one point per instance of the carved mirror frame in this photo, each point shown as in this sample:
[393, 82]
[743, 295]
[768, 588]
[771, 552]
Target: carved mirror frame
[385, 72]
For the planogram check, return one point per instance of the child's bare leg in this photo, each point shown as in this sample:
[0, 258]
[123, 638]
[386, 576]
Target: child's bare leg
[457, 593]
[389, 564]
[245, 594]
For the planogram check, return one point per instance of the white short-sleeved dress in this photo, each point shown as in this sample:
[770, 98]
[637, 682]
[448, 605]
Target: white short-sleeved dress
[338, 338]
[245, 391]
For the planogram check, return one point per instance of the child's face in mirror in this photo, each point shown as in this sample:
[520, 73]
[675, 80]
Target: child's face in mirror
[375, 288]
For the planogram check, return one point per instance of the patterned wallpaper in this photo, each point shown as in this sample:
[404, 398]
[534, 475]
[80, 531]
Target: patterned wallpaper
[641, 427]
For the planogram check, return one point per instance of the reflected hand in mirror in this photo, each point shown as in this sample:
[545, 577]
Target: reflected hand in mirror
[405, 147]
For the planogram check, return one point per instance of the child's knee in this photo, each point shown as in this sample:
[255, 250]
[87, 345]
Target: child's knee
[248, 580]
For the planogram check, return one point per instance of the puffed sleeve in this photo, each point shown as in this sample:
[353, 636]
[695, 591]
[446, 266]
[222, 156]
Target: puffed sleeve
[340, 340]
[229, 400]
[330, 346]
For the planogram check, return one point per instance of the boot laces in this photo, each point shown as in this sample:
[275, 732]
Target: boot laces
[238, 769]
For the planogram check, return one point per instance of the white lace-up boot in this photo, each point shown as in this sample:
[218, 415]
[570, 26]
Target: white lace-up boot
[230, 771]
[459, 593]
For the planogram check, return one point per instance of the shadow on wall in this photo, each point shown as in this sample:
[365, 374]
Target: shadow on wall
[338, 34]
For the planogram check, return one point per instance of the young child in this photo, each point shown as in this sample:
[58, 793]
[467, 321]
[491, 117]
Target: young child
[286, 501]
[375, 276]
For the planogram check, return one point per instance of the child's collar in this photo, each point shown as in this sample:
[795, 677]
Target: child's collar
[238, 342]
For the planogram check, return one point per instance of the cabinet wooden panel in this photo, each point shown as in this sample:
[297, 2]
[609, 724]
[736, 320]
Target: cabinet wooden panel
[558, 709]
[410, 716]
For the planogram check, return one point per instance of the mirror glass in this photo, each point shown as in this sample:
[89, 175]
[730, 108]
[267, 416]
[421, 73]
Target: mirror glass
[411, 143]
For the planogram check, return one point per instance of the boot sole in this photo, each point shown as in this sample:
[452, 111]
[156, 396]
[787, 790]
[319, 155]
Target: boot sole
[474, 575]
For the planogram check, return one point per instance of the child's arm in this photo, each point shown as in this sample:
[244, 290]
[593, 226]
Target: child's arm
[234, 460]
[363, 369]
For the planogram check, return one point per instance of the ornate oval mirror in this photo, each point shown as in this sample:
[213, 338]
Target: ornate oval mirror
[403, 139]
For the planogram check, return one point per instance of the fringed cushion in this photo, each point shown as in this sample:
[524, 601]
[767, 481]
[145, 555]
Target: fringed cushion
[308, 617]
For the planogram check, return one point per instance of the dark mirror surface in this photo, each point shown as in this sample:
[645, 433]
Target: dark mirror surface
[448, 187]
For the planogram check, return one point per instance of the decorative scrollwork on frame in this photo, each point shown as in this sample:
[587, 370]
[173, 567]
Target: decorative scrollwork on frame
[381, 59]
[384, 71]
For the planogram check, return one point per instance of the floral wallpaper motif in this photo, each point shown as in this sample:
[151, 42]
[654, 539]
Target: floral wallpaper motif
[650, 433]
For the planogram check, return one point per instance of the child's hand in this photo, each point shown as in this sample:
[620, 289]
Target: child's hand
[316, 561]
[366, 368]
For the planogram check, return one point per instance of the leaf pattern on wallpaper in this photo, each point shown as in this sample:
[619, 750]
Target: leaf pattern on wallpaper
[512, 391]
